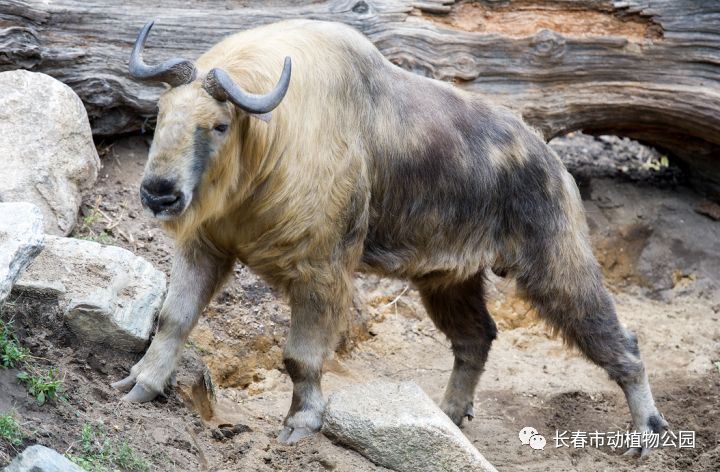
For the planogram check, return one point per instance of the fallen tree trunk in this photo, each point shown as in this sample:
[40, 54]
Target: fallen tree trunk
[646, 69]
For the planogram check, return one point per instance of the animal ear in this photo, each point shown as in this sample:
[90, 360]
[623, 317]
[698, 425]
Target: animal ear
[262, 116]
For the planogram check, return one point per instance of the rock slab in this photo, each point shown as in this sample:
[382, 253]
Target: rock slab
[396, 425]
[48, 155]
[21, 239]
[108, 294]
[41, 459]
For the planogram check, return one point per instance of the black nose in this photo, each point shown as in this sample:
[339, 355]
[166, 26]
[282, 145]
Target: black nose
[160, 195]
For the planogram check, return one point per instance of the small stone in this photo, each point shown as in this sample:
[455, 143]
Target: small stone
[160, 435]
[241, 428]
[328, 464]
[183, 444]
[41, 459]
[396, 425]
[228, 430]
[243, 448]
[709, 209]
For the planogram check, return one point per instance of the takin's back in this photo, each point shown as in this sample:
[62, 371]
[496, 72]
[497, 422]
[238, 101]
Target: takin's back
[457, 184]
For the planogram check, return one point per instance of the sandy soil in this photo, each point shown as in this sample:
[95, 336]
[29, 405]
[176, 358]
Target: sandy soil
[531, 379]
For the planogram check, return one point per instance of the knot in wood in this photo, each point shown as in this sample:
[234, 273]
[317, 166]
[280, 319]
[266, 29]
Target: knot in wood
[547, 45]
[361, 7]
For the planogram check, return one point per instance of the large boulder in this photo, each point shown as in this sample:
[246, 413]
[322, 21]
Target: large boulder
[396, 425]
[108, 294]
[41, 459]
[21, 239]
[48, 155]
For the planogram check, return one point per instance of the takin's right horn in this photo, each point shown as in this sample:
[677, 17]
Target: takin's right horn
[221, 87]
[173, 71]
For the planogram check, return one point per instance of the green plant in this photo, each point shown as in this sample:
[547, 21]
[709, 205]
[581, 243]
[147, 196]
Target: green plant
[127, 458]
[189, 344]
[10, 430]
[43, 387]
[90, 218]
[12, 354]
[102, 238]
[92, 457]
[98, 453]
[656, 164]
[86, 230]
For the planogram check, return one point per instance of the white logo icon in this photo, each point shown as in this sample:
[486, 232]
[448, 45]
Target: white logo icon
[537, 442]
[529, 436]
[526, 434]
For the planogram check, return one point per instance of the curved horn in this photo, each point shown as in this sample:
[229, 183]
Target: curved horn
[173, 71]
[221, 87]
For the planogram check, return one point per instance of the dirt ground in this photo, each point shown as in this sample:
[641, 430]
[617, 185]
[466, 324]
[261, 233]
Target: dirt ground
[531, 379]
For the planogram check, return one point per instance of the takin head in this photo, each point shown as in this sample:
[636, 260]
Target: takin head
[195, 121]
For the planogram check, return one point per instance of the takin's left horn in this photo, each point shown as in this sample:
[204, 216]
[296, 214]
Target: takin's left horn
[221, 87]
[173, 71]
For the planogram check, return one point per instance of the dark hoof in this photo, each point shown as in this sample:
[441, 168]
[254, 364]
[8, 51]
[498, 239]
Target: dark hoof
[470, 412]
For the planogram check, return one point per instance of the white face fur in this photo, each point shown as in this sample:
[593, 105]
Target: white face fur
[192, 128]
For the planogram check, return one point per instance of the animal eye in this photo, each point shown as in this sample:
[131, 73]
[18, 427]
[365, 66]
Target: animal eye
[221, 128]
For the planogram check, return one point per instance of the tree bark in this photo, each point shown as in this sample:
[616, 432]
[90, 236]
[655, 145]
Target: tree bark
[646, 69]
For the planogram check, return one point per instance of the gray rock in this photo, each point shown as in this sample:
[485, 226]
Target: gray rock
[48, 155]
[21, 239]
[396, 425]
[108, 294]
[41, 459]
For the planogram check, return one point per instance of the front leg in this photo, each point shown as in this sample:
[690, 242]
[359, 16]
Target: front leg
[195, 276]
[318, 307]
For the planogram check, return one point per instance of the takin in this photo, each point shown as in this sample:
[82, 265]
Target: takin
[359, 165]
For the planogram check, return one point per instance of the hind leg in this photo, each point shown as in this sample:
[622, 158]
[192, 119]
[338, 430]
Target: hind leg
[459, 311]
[584, 313]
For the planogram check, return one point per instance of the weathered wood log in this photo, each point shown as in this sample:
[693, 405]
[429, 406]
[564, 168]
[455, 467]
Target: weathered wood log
[647, 69]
